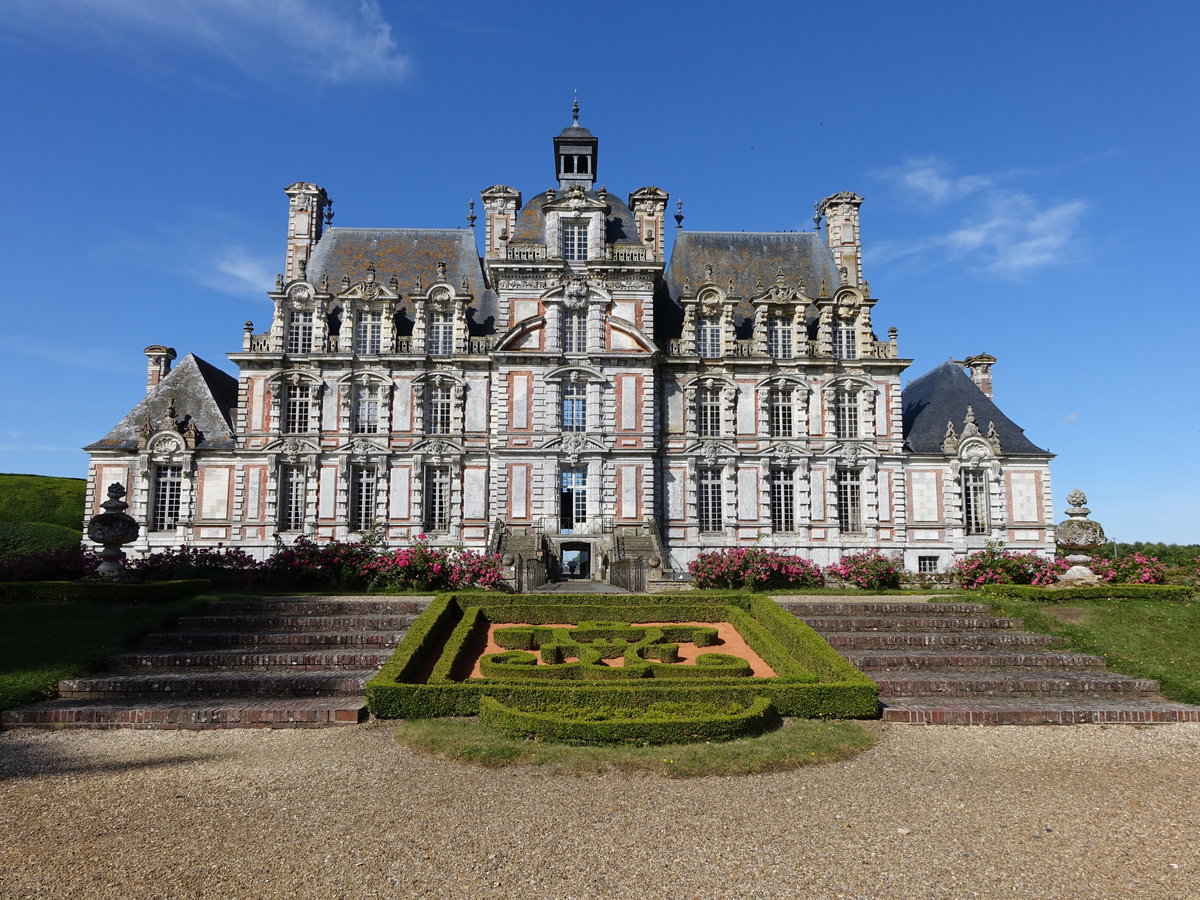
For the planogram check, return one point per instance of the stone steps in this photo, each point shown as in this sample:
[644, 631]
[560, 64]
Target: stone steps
[272, 663]
[953, 664]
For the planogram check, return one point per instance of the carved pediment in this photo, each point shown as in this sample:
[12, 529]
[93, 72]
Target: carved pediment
[293, 449]
[711, 450]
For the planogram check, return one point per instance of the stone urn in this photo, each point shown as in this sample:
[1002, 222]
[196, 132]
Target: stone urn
[1079, 535]
[113, 528]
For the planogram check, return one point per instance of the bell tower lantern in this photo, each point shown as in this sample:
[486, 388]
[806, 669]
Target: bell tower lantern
[575, 154]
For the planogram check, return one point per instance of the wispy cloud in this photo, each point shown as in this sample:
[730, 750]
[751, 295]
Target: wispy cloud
[1071, 418]
[997, 229]
[234, 270]
[329, 41]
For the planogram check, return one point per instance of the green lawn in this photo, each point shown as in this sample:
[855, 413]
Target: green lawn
[1148, 638]
[43, 643]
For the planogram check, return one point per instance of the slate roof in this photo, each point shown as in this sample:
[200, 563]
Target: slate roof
[748, 257]
[409, 254]
[943, 395]
[201, 391]
[621, 227]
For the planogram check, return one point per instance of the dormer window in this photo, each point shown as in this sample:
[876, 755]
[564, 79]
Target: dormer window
[845, 340]
[574, 241]
[441, 333]
[368, 333]
[781, 331]
[975, 501]
[708, 336]
[299, 332]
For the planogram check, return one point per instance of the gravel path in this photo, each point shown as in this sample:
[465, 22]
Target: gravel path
[936, 812]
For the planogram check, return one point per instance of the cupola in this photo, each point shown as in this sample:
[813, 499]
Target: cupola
[575, 154]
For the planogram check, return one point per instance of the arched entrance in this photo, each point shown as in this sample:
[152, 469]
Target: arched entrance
[576, 559]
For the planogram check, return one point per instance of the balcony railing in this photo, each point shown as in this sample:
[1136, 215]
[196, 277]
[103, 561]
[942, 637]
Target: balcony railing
[591, 525]
[524, 252]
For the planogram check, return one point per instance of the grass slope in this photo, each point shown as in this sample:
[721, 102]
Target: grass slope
[42, 498]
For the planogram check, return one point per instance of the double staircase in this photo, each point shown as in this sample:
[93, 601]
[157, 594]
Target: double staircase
[957, 664]
[281, 662]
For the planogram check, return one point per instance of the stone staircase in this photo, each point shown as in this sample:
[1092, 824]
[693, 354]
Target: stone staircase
[957, 664]
[278, 662]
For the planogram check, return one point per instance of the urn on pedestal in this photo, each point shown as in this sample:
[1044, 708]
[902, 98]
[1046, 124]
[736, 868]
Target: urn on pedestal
[1078, 534]
[113, 528]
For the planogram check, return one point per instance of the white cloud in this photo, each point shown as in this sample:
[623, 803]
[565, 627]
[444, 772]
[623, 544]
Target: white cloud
[236, 271]
[335, 41]
[1006, 232]
[1071, 417]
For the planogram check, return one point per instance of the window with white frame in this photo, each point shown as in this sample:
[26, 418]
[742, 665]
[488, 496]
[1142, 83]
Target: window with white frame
[709, 499]
[781, 333]
[782, 418]
[849, 500]
[437, 498]
[708, 412]
[708, 336]
[368, 332]
[362, 497]
[927, 565]
[437, 410]
[574, 240]
[574, 333]
[165, 502]
[845, 340]
[574, 406]
[299, 333]
[845, 414]
[783, 499]
[441, 333]
[297, 407]
[366, 408]
[975, 501]
[291, 498]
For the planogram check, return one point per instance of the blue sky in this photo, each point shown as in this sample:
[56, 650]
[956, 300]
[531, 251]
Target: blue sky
[1028, 168]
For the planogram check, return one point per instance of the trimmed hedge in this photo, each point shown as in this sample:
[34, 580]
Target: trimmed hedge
[427, 676]
[117, 591]
[665, 723]
[1097, 592]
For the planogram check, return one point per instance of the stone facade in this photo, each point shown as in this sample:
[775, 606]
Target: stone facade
[574, 390]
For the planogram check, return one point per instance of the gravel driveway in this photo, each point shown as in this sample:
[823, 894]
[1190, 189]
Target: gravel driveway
[934, 812]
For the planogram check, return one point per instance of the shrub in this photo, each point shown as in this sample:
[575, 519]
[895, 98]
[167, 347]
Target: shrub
[755, 568]
[59, 564]
[21, 538]
[1165, 592]
[111, 591]
[425, 567]
[223, 566]
[307, 564]
[1135, 568]
[868, 569]
[995, 565]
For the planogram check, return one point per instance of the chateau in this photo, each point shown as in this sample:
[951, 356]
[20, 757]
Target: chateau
[574, 400]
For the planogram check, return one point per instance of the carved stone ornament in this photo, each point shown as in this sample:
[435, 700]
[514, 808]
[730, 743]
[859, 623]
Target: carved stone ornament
[950, 441]
[1079, 534]
[970, 426]
[575, 294]
[300, 293]
[710, 450]
[441, 297]
[1078, 501]
[112, 528]
[166, 445]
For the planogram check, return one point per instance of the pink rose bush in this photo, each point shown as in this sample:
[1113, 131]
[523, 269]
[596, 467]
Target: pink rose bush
[995, 565]
[753, 567]
[869, 569]
[425, 567]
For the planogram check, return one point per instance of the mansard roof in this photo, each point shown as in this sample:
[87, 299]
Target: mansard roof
[620, 226]
[412, 255]
[943, 395]
[201, 392]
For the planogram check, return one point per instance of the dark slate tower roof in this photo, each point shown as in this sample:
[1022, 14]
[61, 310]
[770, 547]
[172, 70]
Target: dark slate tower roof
[620, 227]
[200, 390]
[943, 395]
[409, 254]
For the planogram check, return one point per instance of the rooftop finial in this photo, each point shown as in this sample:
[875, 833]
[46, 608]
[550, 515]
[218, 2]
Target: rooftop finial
[575, 109]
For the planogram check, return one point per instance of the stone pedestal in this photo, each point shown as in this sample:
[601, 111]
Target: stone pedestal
[1079, 534]
[113, 528]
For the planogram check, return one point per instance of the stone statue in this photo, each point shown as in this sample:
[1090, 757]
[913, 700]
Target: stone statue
[1078, 534]
[112, 528]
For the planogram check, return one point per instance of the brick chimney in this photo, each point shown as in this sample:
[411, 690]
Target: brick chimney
[158, 364]
[980, 367]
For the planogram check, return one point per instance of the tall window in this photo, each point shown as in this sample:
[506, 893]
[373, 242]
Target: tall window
[782, 418]
[574, 331]
[441, 334]
[437, 410]
[708, 412]
[574, 240]
[574, 407]
[845, 414]
[573, 498]
[708, 336]
[781, 331]
[849, 500]
[366, 409]
[437, 498]
[845, 340]
[297, 404]
[783, 499]
[168, 488]
[368, 332]
[709, 499]
[299, 332]
[975, 501]
[362, 497]
[291, 498]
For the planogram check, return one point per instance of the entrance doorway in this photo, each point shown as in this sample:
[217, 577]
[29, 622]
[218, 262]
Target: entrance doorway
[572, 511]
[576, 560]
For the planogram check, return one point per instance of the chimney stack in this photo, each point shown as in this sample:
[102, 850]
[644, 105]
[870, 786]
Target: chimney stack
[158, 364]
[980, 367]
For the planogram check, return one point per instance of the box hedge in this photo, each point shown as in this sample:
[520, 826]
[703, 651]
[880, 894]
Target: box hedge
[1098, 592]
[110, 591]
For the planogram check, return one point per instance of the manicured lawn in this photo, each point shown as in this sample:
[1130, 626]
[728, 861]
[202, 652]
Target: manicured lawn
[798, 742]
[43, 643]
[1147, 638]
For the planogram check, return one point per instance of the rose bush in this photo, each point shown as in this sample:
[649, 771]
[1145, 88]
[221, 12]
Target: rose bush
[753, 567]
[869, 569]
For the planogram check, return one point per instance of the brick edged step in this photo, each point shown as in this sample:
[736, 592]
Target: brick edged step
[954, 664]
[272, 663]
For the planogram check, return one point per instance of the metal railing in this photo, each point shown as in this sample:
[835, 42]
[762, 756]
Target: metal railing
[629, 573]
[592, 525]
